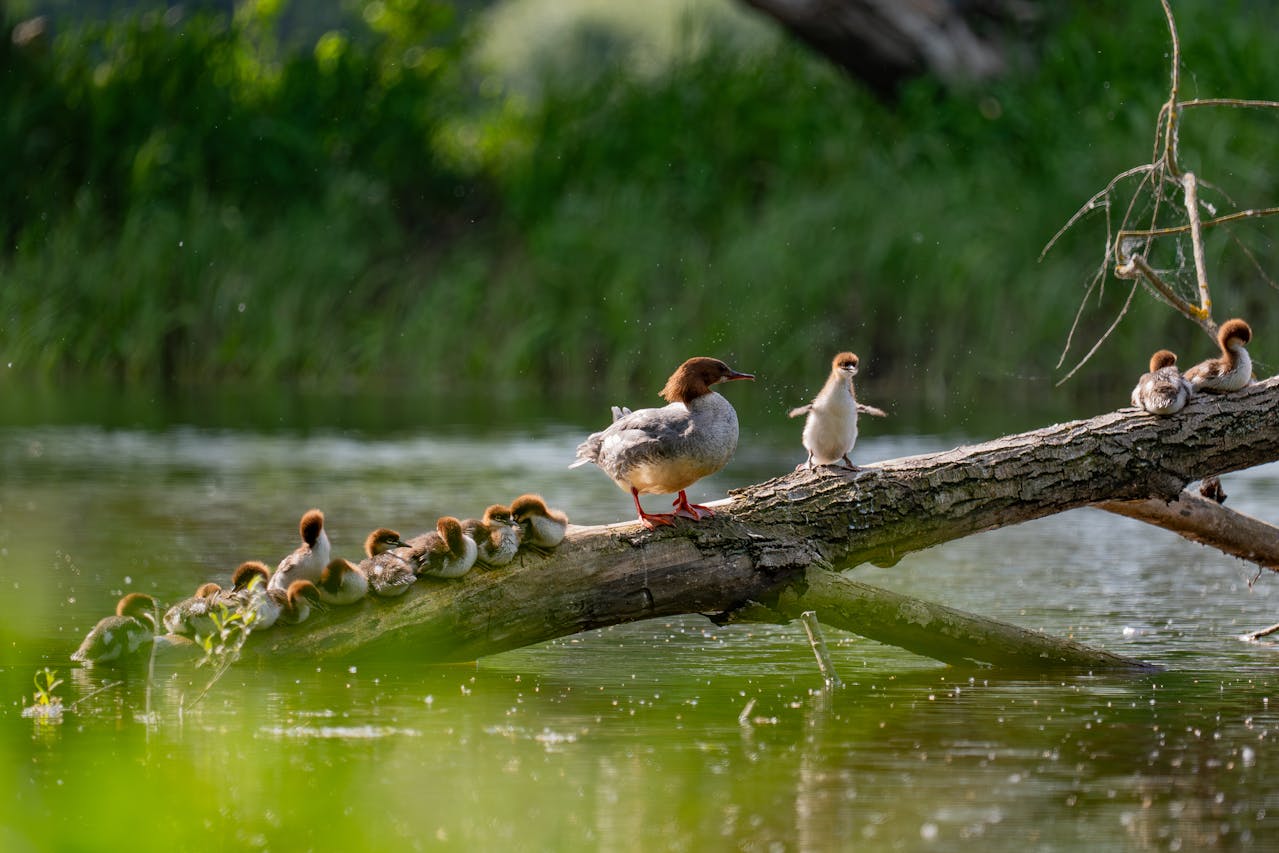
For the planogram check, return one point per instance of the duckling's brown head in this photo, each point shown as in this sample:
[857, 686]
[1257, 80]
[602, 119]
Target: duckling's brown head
[1161, 359]
[497, 514]
[207, 590]
[311, 526]
[332, 574]
[381, 540]
[527, 506]
[247, 571]
[845, 362]
[137, 605]
[1234, 333]
[299, 590]
[450, 529]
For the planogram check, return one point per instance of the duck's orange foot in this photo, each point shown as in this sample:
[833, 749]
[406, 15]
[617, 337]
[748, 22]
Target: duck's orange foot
[685, 509]
[653, 520]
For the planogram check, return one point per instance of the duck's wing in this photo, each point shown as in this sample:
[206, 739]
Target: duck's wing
[802, 410]
[631, 429]
[643, 436]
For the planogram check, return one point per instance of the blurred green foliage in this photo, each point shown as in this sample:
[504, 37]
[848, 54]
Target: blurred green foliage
[190, 201]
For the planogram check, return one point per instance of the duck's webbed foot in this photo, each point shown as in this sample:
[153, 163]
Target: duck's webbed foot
[685, 509]
[652, 520]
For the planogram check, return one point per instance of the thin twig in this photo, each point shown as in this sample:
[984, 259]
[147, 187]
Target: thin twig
[1261, 271]
[1251, 213]
[1197, 243]
[1264, 632]
[1095, 202]
[1229, 102]
[90, 695]
[1102, 339]
[1171, 130]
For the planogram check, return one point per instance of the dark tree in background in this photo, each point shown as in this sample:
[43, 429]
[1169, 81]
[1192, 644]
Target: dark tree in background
[886, 42]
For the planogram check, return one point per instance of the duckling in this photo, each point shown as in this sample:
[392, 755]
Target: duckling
[266, 607]
[249, 578]
[194, 616]
[390, 573]
[342, 583]
[542, 528]
[666, 450]
[446, 552]
[302, 597]
[1233, 369]
[831, 428]
[118, 637]
[310, 558]
[1162, 391]
[496, 535]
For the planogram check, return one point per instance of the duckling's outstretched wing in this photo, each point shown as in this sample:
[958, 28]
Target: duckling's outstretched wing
[863, 409]
[802, 410]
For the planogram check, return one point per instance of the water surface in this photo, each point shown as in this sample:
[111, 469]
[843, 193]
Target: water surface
[667, 734]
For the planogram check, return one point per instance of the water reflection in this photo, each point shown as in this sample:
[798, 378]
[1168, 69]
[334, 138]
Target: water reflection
[633, 737]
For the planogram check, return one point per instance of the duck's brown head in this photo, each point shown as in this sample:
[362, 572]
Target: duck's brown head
[695, 377]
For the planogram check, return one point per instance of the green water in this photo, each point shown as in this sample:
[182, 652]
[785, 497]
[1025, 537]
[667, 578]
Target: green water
[671, 734]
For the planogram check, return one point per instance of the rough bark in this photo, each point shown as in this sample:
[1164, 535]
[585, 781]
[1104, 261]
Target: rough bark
[884, 42]
[765, 537]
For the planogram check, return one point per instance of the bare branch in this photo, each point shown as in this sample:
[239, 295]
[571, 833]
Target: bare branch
[1138, 267]
[1229, 102]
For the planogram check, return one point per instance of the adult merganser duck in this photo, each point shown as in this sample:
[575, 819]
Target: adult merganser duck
[310, 558]
[194, 615]
[1233, 369]
[446, 552]
[496, 536]
[390, 572]
[831, 429]
[117, 637]
[666, 450]
[542, 528]
[1163, 390]
[342, 583]
[302, 597]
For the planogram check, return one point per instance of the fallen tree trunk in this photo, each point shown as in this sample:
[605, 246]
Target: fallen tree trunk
[935, 630]
[766, 536]
[1209, 523]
